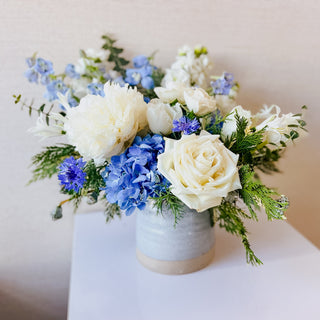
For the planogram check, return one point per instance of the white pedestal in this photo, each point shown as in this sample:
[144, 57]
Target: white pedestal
[107, 282]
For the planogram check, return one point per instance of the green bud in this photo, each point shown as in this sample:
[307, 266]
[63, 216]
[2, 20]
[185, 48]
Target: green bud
[57, 213]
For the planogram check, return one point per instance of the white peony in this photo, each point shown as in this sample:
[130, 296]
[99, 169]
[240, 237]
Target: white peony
[230, 123]
[198, 101]
[101, 127]
[161, 115]
[200, 168]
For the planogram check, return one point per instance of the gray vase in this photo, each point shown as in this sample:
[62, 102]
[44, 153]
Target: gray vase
[167, 248]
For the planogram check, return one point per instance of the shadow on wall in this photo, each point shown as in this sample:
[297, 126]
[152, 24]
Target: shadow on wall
[14, 308]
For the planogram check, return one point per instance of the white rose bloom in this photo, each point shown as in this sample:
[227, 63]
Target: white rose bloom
[198, 101]
[200, 168]
[161, 115]
[172, 91]
[101, 127]
[277, 127]
[230, 123]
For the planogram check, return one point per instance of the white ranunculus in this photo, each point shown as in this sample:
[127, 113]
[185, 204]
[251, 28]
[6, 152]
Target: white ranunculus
[198, 101]
[230, 123]
[276, 126]
[171, 92]
[200, 168]
[100, 127]
[161, 115]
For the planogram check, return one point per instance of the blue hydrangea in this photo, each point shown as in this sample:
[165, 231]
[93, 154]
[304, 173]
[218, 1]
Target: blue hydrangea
[96, 89]
[53, 88]
[71, 72]
[141, 73]
[71, 174]
[223, 84]
[185, 125]
[133, 176]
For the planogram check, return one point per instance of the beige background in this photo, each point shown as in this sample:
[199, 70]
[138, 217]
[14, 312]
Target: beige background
[272, 47]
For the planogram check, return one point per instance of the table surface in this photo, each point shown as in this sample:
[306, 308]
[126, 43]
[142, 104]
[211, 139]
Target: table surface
[107, 282]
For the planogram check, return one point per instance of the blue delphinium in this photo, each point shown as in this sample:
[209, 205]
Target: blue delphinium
[44, 67]
[223, 84]
[96, 88]
[185, 125]
[141, 73]
[71, 72]
[133, 176]
[38, 67]
[71, 174]
[53, 88]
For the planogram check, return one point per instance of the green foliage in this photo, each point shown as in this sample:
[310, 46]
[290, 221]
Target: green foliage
[265, 159]
[31, 109]
[167, 198]
[115, 54]
[94, 181]
[157, 76]
[244, 141]
[229, 218]
[111, 211]
[255, 195]
[46, 163]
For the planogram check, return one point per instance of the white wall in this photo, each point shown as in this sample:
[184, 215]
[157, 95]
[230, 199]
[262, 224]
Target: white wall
[272, 47]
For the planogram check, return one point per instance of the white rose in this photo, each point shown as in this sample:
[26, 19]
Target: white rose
[161, 115]
[198, 101]
[172, 91]
[100, 127]
[230, 123]
[200, 168]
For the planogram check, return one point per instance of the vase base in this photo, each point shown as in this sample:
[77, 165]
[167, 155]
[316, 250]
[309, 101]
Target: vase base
[176, 267]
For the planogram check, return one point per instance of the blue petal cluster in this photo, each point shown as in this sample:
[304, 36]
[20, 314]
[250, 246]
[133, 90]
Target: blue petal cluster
[71, 72]
[96, 88]
[53, 88]
[223, 84]
[38, 67]
[185, 125]
[71, 174]
[133, 176]
[141, 73]
[213, 126]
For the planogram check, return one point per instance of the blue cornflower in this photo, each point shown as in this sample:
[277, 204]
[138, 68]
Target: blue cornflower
[44, 67]
[96, 88]
[53, 88]
[223, 84]
[133, 176]
[71, 174]
[71, 72]
[140, 61]
[185, 125]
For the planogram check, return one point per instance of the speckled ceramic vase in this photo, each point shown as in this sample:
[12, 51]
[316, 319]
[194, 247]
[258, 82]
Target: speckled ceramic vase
[166, 248]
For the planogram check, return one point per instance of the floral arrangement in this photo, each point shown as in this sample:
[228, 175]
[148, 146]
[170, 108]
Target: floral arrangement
[174, 137]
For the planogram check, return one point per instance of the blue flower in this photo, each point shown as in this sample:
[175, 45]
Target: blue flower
[133, 77]
[133, 176]
[185, 125]
[140, 61]
[120, 81]
[71, 174]
[31, 61]
[53, 88]
[146, 99]
[96, 89]
[44, 67]
[31, 75]
[223, 84]
[141, 73]
[71, 72]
